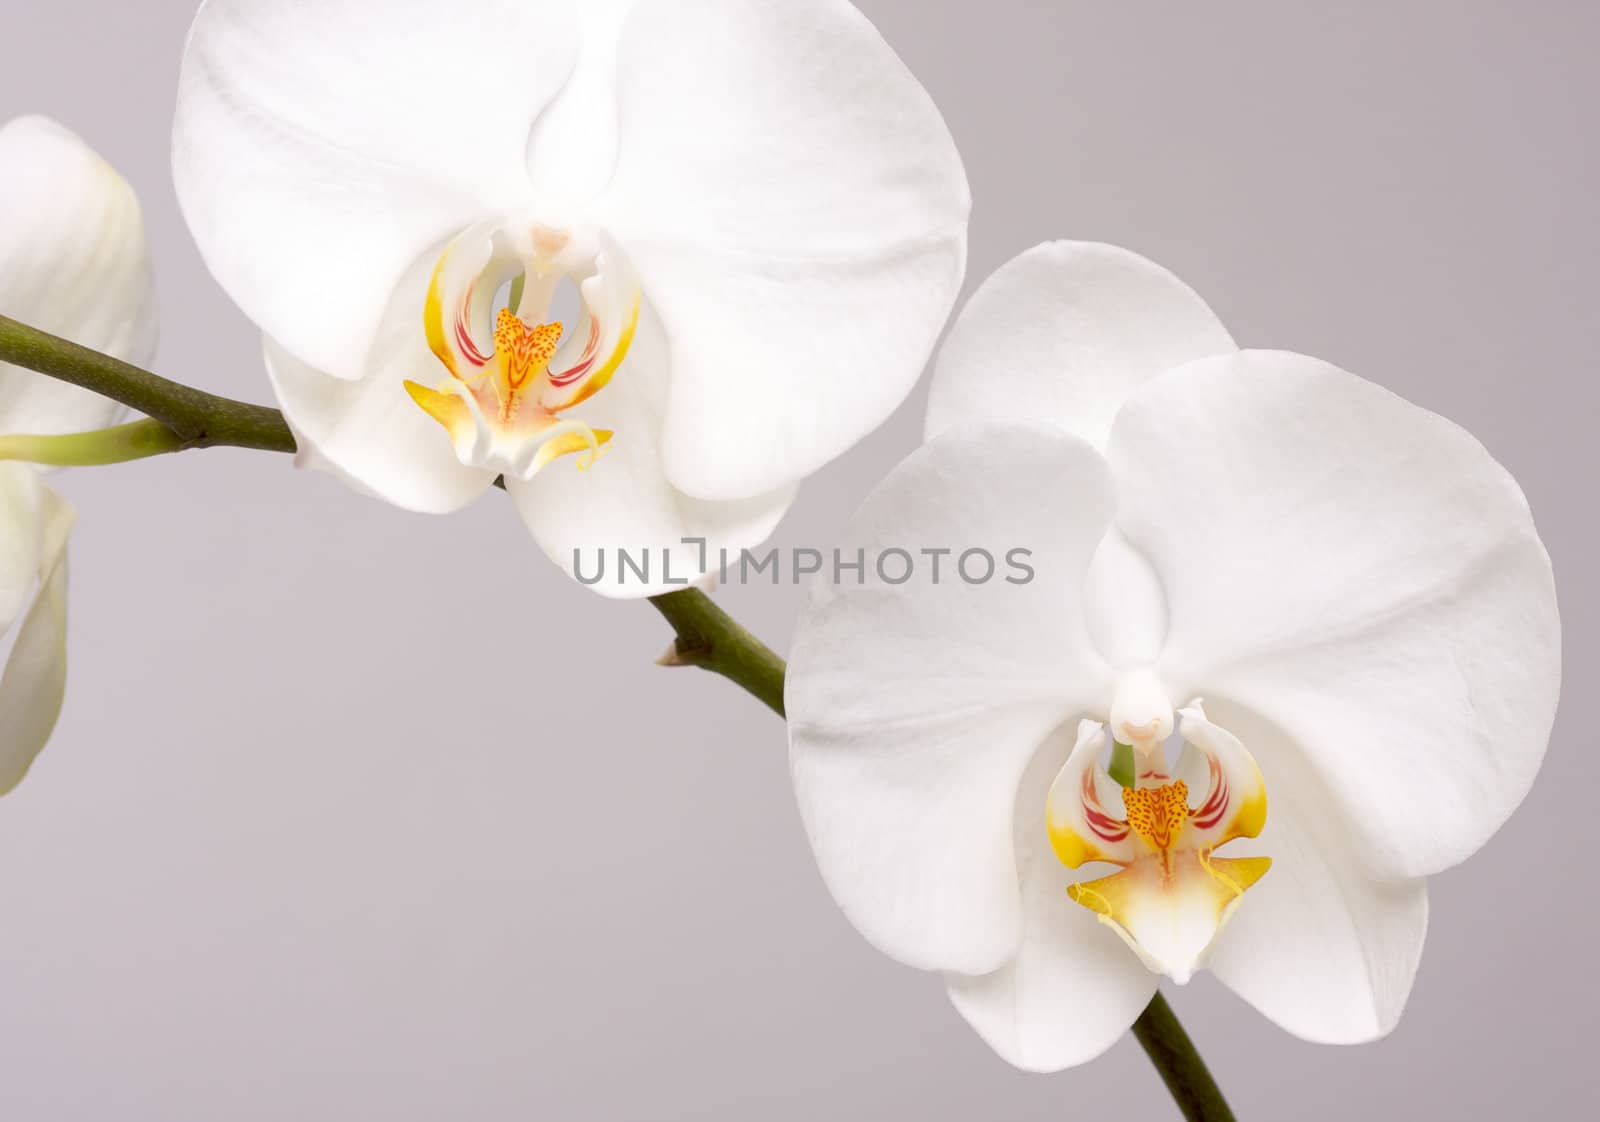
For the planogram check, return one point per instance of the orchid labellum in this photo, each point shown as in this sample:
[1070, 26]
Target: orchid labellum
[73, 262]
[756, 214]
[1309, 626]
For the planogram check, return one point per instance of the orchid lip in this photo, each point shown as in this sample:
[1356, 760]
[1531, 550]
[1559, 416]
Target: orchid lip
[1172, 896]
[511, 374]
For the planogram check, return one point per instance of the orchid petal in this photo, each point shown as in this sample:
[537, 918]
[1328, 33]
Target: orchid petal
[1361, 573]
[1063, 334]
[1318, 946]
[322, 146]
[73, 262]
[34, 680]
[1072, 989]
[796, 211]
[622, 503]
[20, 490]
[914, 708]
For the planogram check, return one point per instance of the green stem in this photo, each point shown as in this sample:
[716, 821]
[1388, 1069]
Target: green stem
[1174, 1055]
[709, 638]
[197, 418]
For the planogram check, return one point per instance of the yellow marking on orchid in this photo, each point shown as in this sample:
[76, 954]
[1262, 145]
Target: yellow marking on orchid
[576, 440]
[1158, 814]
[1235, 873]
[523, 350]
[447, 408]
[1071, 849]
[1084, 892]
[1248, 820]
[433, 317]
[1170, 918]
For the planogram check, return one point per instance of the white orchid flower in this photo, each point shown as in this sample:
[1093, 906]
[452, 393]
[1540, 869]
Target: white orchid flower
[73, 262]
[762, 213]
[1352, 584]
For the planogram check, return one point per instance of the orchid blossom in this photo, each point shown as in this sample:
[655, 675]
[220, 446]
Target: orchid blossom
[1310, 625]
[756, 212]
[73, 262]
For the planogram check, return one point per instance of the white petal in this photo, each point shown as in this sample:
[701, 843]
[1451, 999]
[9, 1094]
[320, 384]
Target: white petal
[1064, 333]
[625, 503]
[1316, 945]
[1362, 573]
[369, 431]
[21, 498]
[797, 211]
[1073, 987]
[321, 146]
[914, 708]
[73, 262]
[35, 673]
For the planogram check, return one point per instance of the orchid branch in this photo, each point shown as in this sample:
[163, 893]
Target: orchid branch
[197, 419]
[704, 635]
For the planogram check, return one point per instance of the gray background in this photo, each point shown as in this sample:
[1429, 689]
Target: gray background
[354, 813]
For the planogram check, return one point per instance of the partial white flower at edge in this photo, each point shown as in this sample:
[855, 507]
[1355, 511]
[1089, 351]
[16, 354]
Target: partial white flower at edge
[73, 262]
[1352, 585]
[761, 210]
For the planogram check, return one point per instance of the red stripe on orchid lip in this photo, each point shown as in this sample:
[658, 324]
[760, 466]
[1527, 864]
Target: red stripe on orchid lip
[1103, 827]
[1210, 813]
[585, 363]
[464, 341]
[1102, 824]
